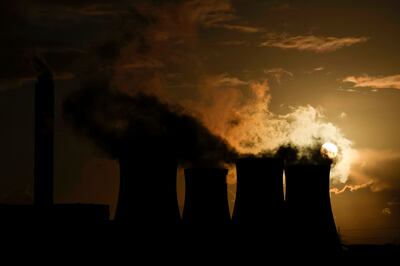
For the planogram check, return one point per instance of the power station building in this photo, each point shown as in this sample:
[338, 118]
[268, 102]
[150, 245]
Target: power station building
[148, 189]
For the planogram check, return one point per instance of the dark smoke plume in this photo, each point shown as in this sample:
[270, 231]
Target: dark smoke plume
[309, 155]
[121, 121]
[143, 124]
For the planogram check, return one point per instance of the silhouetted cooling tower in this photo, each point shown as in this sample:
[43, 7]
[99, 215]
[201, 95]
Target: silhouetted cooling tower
[206, 197]
[259, 195]
[44, 135]
[147, 194]
[310, 219]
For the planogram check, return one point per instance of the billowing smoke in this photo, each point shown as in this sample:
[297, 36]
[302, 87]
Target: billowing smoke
[305, 128]
[159, 52]
[143, 124]
[240, 113]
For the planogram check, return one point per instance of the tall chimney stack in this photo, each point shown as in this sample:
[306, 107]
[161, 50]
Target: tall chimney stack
[310, 217]
[44, 135]
[206, 197]
[259, 194]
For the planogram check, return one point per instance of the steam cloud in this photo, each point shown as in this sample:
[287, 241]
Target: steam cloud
[148, 60]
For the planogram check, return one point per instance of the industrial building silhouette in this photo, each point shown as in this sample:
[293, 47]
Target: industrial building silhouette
[44, 211]
[148, 195]
[44, 135]
[206, 197]
[259, 195]
[309, 213]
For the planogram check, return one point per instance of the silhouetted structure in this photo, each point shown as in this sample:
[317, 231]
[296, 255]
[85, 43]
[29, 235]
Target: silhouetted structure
[80, 214]
[206, 197]
[259, 196]
[310, 219]
[58, 214]
[44, 136]
[147, 194]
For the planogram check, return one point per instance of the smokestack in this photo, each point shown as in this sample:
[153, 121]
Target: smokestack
[259, 194]
[310, 216]
[44, 136]
[206, 197]
[147, 193]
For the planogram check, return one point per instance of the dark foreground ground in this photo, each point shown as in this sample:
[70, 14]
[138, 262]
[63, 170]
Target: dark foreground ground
[152, 244]
[24, 230]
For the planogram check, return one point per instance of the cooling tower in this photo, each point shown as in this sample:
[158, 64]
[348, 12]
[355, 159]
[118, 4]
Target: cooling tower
[259, 195]
[147, 194]
[310, 220]
[206, 197]
[44, 136]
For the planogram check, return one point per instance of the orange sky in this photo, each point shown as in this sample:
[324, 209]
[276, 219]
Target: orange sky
[222, 60]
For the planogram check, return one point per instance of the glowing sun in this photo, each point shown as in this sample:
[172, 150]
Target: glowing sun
[329, 150]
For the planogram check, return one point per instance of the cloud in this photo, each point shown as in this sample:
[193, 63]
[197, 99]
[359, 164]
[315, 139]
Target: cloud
[164, 34]
[347, 90]
[238, 110]
[167, 43]
[241, 28]
[227, 80]
[305, 128]
[278, 74]
[386, 211]
[217, 14]
[310, 43]
[317, 70]
[373, 169]
[387, 82]
[350, 188]
[231, 107]
[209, 12]
[343, 115]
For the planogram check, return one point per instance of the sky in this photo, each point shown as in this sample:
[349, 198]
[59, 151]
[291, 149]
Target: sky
[258, 73]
